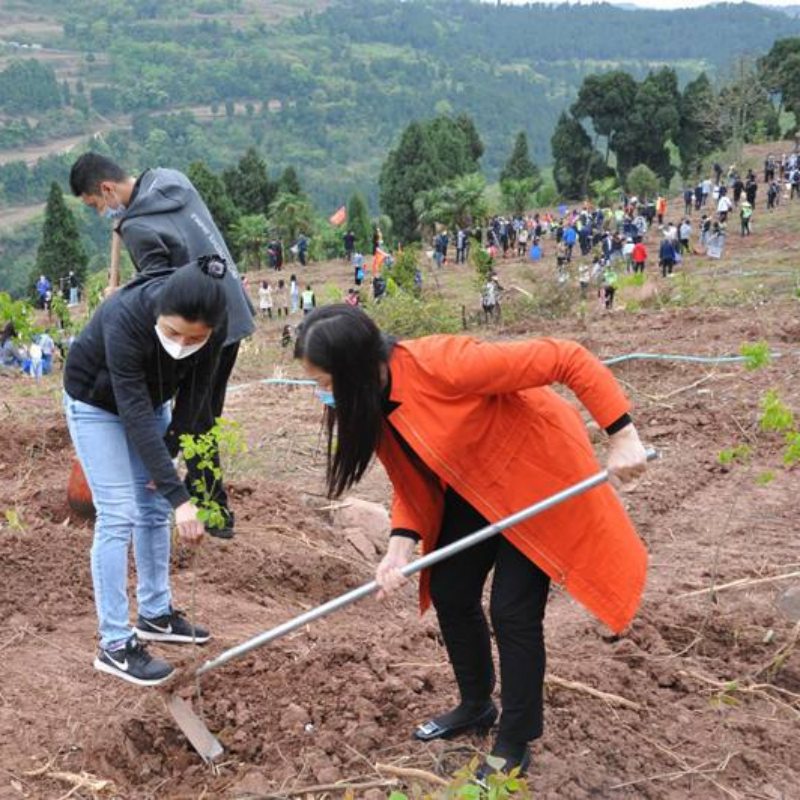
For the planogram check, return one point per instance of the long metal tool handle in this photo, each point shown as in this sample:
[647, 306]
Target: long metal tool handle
[410, 569]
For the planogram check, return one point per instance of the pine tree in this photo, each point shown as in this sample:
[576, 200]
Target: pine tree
[358, 221]
[215, 195]
[429, 155]
[520, 166]
[60, 250]
[699, 132]
[289, 182]
[576, 162]
[248, 184]
[407, 171]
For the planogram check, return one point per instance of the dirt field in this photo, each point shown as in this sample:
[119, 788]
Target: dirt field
[712, 680]
[364, 678]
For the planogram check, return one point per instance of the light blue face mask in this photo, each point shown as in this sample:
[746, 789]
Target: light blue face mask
[326, 397]
[114, 213]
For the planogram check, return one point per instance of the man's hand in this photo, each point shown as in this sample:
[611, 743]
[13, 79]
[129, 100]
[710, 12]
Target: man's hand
[627, 457]
[388, 574]
[190, 529]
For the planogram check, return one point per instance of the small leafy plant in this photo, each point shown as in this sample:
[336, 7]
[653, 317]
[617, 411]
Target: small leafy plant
[740, 452]
[757, 355]
[464, 786]
[225, 438]
[776, 415]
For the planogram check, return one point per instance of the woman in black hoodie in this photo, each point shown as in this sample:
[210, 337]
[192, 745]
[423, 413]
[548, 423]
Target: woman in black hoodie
[155, 341]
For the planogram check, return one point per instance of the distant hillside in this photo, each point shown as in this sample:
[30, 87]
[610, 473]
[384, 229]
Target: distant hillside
[327, 89]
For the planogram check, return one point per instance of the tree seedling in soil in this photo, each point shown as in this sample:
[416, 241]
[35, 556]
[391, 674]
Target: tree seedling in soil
[13, 520]
[757, 355]
[225, 438]
[498, 786]
[775, 414]
[741, 452]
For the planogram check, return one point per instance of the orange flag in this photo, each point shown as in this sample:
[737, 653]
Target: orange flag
[339, 217]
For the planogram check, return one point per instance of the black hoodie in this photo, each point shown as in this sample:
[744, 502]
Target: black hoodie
[118, 364]
[167, 225]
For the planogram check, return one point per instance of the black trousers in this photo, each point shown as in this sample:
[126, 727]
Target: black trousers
[518, 599]
[227, 360]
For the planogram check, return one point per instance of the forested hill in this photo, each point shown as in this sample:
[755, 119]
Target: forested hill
[326, 88]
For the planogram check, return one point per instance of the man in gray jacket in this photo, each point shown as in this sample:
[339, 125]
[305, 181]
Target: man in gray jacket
[165, 224]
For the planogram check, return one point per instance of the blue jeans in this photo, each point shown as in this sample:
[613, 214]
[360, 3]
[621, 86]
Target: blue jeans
[126, 509]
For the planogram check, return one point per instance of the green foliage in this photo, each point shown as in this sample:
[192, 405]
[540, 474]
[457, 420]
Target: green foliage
[405, 268]
[643, 182]
[791, 453]
[517, 194]
[359, 223]
[224, 438]
[290, 215]
[248, 184]
[546, 195]
[289, 182]
[519, 166]
[60, 250]
[456, 204]
[18, 312]
[606, 191]
[765, 478]
[427, 159]
[482, 263]
[13, 520]
[775, 414]
[250, 233]
[463, 786]
[576, 162]
[740, 452]
[28, 85]
[757, 355]
[212, 189]
[699, 132]
[60, 310]
[409, 317]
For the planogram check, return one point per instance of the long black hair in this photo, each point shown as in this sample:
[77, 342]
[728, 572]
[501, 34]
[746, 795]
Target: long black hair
[344, 342]
[195, 292]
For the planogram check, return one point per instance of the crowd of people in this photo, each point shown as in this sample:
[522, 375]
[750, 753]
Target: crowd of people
[597, 245]
[32, 355]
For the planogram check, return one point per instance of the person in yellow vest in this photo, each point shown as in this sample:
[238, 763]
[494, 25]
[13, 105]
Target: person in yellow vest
[308, 300]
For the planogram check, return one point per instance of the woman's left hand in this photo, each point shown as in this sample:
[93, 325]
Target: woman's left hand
[627, 457]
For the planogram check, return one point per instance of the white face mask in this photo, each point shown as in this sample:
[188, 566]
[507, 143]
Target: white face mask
[179, 351]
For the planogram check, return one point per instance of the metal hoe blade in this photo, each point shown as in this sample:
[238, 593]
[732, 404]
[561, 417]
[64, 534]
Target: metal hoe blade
[194, 729]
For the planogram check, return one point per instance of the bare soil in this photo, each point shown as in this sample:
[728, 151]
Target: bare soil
[327, 703]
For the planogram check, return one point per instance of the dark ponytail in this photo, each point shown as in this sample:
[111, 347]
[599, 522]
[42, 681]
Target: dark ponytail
[344, 342]
[195, 292]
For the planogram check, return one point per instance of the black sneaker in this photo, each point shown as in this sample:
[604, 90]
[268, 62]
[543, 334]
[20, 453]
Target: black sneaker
[172, 627]
[134, 664]
[227, 530]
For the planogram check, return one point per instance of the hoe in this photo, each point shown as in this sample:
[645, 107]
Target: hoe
[195, 730]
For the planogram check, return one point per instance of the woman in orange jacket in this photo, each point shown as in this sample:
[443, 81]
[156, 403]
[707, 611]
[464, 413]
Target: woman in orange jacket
[470, 432]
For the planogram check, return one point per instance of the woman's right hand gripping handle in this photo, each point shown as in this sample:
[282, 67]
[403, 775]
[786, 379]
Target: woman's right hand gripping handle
[190, 529]
[388, 575]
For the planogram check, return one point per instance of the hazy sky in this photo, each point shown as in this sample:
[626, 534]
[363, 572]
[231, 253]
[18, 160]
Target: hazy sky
[675, 3]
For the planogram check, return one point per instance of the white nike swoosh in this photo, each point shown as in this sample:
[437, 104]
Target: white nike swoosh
[155, 627]
[123, 665]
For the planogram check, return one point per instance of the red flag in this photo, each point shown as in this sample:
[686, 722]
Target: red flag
[339, 217]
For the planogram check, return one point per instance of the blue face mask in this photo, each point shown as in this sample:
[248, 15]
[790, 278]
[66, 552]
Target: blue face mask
[326, 397]
[114, 213]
